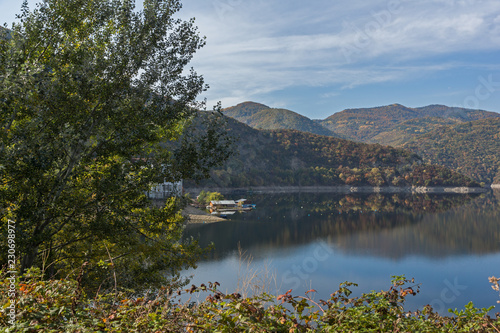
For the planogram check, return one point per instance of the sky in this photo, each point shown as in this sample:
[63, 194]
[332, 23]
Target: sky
[319, 57]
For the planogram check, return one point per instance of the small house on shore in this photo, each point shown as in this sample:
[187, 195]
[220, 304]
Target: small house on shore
[222, 204]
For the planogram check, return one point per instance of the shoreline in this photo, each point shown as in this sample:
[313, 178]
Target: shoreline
[197, 216]
[348, 189]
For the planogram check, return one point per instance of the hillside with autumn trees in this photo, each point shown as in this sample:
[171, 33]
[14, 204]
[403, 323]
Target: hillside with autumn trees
[471, 148]
[423, 130]
[391, 125]
[372, 125]
[408, 130]
[294, 158]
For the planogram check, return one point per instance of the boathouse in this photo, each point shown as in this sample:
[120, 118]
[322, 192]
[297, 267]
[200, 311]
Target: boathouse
[222, 204]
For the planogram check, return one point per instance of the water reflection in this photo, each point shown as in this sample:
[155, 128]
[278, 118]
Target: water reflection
[391, 226]
[321, 240]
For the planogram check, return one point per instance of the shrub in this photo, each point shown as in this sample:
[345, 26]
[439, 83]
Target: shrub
[59, 306]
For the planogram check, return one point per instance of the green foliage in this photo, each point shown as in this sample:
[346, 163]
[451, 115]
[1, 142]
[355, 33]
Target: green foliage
[204, 198]
[215, 196]
[59, 305]
[96, 109]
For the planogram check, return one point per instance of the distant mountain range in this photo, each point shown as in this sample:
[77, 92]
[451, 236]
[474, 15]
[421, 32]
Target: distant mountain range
[374, 125]
[393, 124]
[464, 140]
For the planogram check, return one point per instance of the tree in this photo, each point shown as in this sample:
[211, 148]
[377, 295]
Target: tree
[205, 197]
[96, 107]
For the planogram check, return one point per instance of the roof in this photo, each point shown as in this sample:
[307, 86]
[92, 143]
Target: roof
[241, 200]
[223, 202]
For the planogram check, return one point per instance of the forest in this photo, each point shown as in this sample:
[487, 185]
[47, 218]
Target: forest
[366, 124]
[290, 157]
[470, 148]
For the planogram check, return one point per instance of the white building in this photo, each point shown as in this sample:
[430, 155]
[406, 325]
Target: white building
[166, 190]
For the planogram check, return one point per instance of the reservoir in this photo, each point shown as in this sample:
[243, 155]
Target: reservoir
[450, 245]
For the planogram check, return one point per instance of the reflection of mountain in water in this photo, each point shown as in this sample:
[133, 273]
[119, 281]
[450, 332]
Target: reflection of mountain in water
[473, 228]
[391, 226]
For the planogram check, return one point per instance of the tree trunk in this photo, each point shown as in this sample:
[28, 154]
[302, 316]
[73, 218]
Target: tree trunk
[29, 259]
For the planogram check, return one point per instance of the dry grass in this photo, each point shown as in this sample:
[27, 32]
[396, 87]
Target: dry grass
[254, 280]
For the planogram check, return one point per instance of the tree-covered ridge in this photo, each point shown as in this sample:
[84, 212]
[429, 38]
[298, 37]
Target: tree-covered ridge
[456, 113]
[392, 125]
[471, 148]
[289, 157]
[409, 129]
[244, 111]
[367, 123]
[286, 119]
[327, 151]
[263, 117]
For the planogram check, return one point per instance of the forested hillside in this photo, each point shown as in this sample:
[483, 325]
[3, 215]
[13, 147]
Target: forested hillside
[261, 116]
[438, 133]
[244, 111]
[471, 148]
[391, 125]
[459, 114]
[381, 124]
[289, 157]
[410, 129]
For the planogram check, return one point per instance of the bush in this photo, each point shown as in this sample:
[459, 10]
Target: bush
[59, 305]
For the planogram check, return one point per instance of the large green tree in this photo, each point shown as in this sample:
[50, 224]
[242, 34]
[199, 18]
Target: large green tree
[96, 107]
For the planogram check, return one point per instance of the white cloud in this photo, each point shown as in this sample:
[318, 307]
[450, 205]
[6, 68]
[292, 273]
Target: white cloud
[255, 48]
[260, 47]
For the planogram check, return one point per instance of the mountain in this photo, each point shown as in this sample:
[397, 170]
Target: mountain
[373, 124]
[261, 116]
[294, 158]
[460, 114]
[393, 124]
[435, 132]
[244, 111]
[463, 140]
[471, 148]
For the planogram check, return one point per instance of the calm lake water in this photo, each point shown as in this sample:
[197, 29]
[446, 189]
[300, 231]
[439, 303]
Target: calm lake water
[448, 243]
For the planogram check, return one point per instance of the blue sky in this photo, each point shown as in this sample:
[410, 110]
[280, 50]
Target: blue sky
[318, 57]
